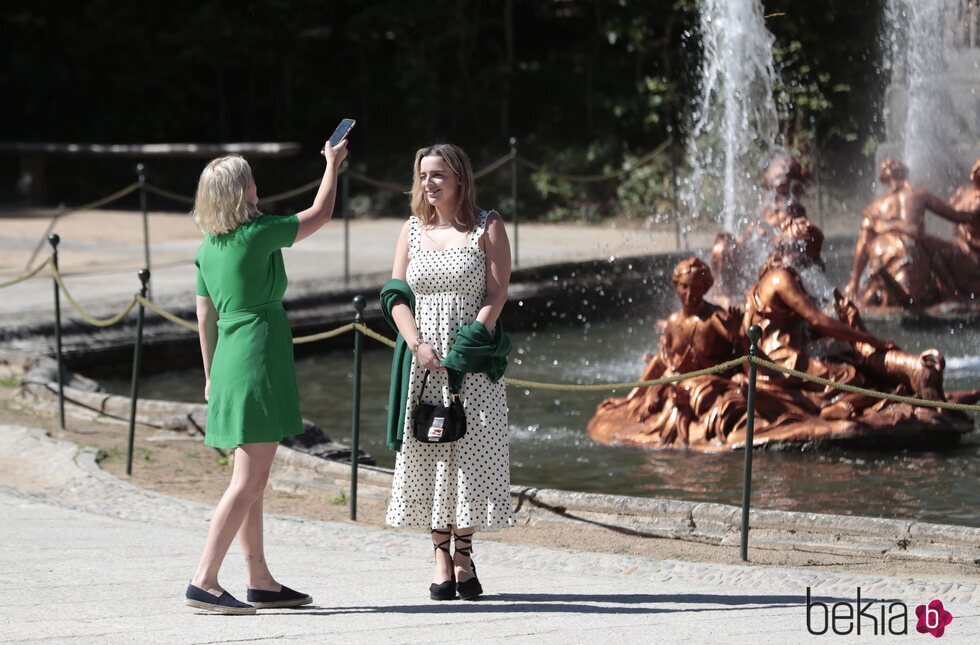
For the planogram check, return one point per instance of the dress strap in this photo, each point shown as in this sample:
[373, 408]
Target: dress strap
[414, 235]
[481, 228]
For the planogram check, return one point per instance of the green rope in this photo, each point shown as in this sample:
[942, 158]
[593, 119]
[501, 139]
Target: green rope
[370, 333]
[26, 276]
[925, 403]
[602, 387]
[98, 322]
[324, 335]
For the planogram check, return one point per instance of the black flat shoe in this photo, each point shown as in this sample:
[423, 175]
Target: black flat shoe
[223, 604]
[443, 590]
[285, 597]
[470, 588]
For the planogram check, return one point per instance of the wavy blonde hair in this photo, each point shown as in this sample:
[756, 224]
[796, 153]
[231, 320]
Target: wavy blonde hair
[220, 205]
[459, 163]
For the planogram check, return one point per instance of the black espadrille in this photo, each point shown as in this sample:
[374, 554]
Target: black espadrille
[223, 604]
[285, 597]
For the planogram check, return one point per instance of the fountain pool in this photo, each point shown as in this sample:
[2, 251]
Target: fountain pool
[550, 447]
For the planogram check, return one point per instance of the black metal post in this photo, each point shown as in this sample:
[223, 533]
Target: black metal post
[54, 240]
[146, 219]
[144, 276]
[513, 198]
[345, 211]
[755, 334]
[355, 424]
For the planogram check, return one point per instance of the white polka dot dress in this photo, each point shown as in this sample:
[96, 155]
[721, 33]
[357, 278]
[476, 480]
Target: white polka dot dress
[465, 483]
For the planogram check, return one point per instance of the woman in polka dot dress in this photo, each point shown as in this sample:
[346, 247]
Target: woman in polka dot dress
[456, 259]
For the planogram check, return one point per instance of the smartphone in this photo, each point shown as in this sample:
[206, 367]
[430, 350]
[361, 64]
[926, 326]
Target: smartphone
[346, 125]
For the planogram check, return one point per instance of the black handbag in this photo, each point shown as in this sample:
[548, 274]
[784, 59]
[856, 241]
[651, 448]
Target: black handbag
[438, 423]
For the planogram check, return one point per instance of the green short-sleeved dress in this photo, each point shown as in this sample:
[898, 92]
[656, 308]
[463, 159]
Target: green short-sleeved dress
[253, 397]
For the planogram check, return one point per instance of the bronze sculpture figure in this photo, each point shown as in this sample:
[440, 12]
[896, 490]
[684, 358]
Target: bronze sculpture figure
[700, 412]
[967, 200]
[907, 268]
[708, 413]
[785, 180]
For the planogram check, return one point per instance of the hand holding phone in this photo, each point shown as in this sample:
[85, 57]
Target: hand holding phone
[343, 129]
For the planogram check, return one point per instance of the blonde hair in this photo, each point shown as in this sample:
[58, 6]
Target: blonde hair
[220, 205]
[459, 163]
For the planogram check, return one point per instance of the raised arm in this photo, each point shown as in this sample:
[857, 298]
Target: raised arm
[497, 247]
[207, 331]
[860, 258]
[944, 210]
[321, 211]
[790, 292]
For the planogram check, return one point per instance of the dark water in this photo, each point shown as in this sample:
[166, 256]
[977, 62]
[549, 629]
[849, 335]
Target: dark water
[550, 448]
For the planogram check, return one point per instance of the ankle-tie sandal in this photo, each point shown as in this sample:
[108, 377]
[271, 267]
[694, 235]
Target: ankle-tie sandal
[468, 589]
[443, 590]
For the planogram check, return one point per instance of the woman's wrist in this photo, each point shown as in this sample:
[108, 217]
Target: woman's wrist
[418, 343]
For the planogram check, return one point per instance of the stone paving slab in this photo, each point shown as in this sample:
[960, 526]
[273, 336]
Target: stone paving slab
[90, 558]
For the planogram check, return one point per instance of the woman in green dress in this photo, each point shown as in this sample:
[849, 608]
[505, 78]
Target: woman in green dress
[246, 344]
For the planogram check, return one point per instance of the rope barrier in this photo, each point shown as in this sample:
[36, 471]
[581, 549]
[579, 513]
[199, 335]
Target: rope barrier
[602, 387]
[26, 276]
[169, 194]
[305, 188]
[564, 387]
[98, 322]
[898, 398]
[119, 194]
[493, 166]
[324, 335]
[364, 329]
[152, 306]
[84, 207]
[377, 183]
[586, 179]
[370, 333]
[364, 179]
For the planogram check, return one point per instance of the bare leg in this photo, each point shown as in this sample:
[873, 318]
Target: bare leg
[253, 548]
[467, 584]
[444, 563]
[461, 558]
[251, 472]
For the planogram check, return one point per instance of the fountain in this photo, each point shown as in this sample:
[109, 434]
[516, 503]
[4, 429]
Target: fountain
[933, 50]
[932, 127]
[807, 324]
[735, 118]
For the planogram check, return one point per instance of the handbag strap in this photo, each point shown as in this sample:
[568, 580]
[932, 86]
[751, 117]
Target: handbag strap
[453, 391]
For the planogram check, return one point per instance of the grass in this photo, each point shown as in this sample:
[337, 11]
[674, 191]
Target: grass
[103, 455]
[339, 500]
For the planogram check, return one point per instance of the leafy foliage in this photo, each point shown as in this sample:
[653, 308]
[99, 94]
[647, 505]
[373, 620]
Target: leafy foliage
[584, 85]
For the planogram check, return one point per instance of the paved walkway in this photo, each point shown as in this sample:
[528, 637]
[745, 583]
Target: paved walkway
[101, 251]
[90, 558]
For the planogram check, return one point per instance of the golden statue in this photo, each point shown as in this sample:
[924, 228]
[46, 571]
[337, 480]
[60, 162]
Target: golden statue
[967, 200]
[700, 412]
[708, 413]
[907, 268]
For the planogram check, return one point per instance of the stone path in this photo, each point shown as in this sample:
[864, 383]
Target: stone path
[101, 252]
[90, 558]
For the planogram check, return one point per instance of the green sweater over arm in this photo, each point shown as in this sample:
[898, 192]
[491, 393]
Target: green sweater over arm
[393, 292]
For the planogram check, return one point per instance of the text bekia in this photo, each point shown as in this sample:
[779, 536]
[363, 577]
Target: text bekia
[872, 617]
